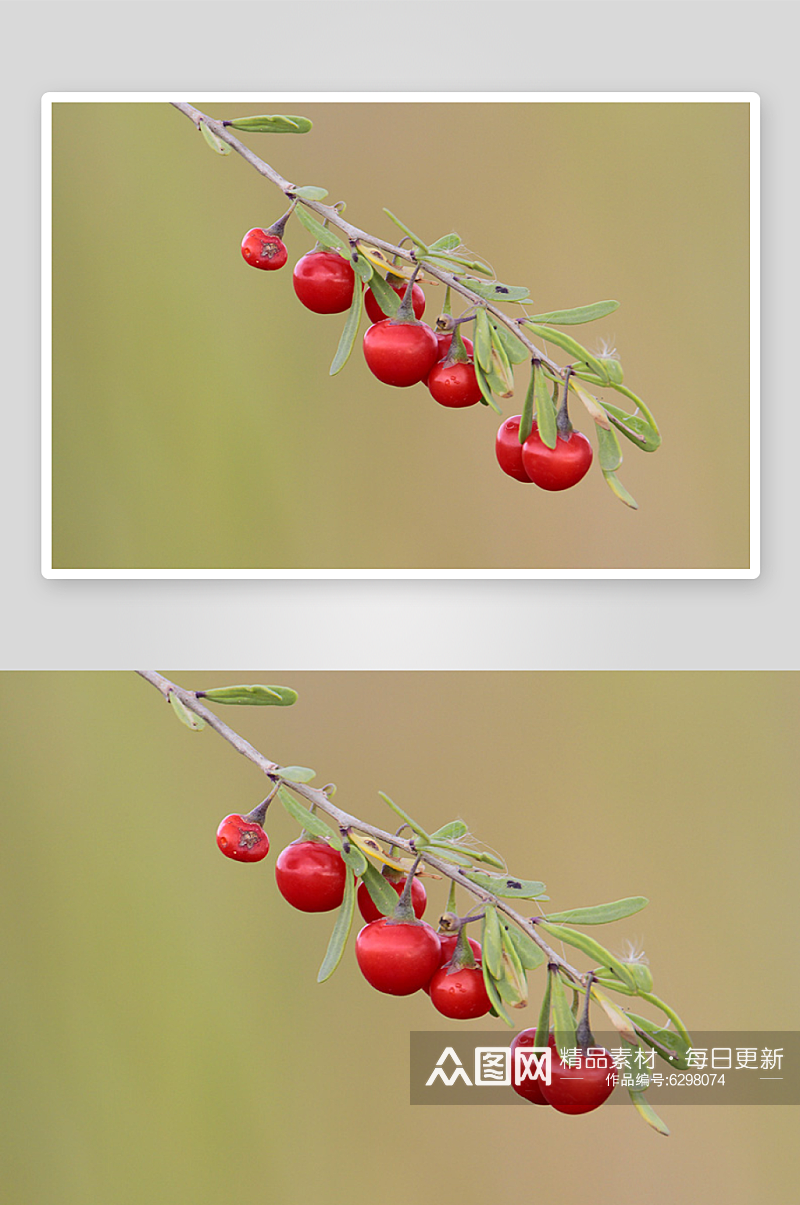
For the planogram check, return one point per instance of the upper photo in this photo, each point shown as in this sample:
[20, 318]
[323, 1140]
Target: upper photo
[321, 335]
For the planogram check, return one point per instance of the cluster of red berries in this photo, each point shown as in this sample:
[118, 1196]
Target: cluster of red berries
[532, 462]
[402, 956]
[396, 956]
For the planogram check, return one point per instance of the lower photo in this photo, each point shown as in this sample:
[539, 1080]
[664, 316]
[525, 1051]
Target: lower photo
[269, 933]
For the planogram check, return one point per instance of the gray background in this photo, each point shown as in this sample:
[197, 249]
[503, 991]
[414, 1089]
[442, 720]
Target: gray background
[558, 46]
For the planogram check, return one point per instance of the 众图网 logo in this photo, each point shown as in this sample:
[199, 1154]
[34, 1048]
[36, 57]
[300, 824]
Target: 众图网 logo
[494, 1065]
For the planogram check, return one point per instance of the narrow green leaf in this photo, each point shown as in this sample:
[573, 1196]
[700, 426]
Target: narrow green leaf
[485, 388]
[640, 431]
[183, 713]
[568, 344]
[362, 267]
[448, 242]
[414, 238]
[613, 985]
[545, 409]
[668, 1012]
[529, 953]
[600, 914]
[341, 931]
[492, 290]
[356, 860]
[514, 972]
[350, 331]
[526, 418]
[581, 313]
[667, 1043]
[633, 397]
[506, 886]
[384, 294]
[323, 234]
[516, 351]
[492, 942]
[647, 1111]
[310, 192]
[451, 831]
[450, 853]
[608, 450]
[418, 829]
[488, 858]
[214, 142]
[252, 696]
[618, 488]
[483, 341]
[297, 773]
[498, 1008]
[266, 123]
[543, 1024]
[500, 362]
[588, 945]
[383, 896]
[307, 819]
[563, 1019]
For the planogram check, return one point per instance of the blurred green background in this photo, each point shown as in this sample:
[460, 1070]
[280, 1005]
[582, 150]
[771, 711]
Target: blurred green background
[165, 1036]
[194, 421]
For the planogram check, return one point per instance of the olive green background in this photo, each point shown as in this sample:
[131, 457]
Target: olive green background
[195, 425]
[165, 1039]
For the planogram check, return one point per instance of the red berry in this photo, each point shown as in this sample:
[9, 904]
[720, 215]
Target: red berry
[263, 250]
[556, 468]
[444, 342]
[529, 1089]
[508, 450]
[324, 282]
[460, 994]
[242, 840]
[584, 1087]
[311, 876]
[454, 385]
[400, 353]
[376, 314]
[448, 942]
[398, 957]
[419, 898]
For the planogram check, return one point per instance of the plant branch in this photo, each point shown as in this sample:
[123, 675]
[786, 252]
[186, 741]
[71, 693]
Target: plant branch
[330, 214]
[344, 820]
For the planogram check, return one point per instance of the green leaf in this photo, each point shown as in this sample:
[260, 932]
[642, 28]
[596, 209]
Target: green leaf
[545, 409]
[609, 451]
[647, 1111]
[450, 853]
[187, 717]
[310, 192]
[308, 819]
[448, 242]
[568, 344]
[362, 267]
[341, 931]
[516, 351]
[483, 341]
[405, 229]
[251, 696]
[451, 831]
[297, 773]
[638, 430]
[383, 896]
[485, 388]
[355, 859]
[492, 942]
[618, 488]
[214, 142]
[350, 331]
[581, 313]
[668, 1012]
[266, 123]
[529, 953]
[384, 294]
[613, 985]
[492, 290]
[601, 914]
[506, 886]
[526, 418]
[412, 824]
[323, 234]
[501, 363]
[498, 1007]
[563, 1019]
[489, 859]
[588, 945]
[662, 1039]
